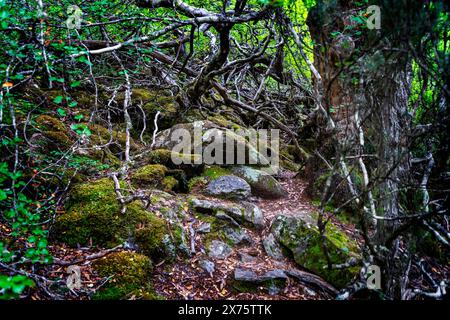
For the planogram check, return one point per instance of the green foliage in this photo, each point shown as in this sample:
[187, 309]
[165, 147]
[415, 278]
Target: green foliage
[27, 240]
[12, 287]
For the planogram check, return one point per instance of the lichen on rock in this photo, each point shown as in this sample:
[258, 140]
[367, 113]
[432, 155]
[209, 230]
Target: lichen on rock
[306, 245]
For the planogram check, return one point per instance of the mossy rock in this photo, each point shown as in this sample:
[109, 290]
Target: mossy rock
[209, 173]
[166, 157]
[169, 183]
[211, 131]
[46, 122]
[130, 277]
[54, 130]
[290, 165]
[217, 229]
[262, 183]
[104, 156]
[93, 214]
[306, 245]
[224, 120]
[149, 237]
[149, 175]
[292, 153]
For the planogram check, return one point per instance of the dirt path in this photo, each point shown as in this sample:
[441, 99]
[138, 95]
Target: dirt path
[186, 280]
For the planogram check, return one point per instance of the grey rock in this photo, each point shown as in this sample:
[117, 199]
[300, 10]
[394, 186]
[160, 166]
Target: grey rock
[237, 236]
[262, 184]
[272, 280]
[246, 275]
[230, 187]
[210, 132]
[245, 258]
[219, 250]
[250, 276]
[252, 214]
[223, 216]
[169, 246]
[245, 212]
[272, 247]
[204, 228]
[276, 274]
[208, 266]
[301, 239]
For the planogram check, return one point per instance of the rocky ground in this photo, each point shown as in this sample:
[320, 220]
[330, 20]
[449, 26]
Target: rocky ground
[204, 277]
[243, 262]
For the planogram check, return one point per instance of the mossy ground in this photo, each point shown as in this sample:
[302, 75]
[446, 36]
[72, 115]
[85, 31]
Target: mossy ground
[130, 277]
[54, 130]
[93, 215]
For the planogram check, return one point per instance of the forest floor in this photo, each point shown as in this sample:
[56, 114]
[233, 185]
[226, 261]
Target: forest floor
[186, 280]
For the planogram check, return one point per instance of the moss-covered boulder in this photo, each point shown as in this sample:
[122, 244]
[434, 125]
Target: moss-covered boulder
[130, 277]
[168, 158]
[150, 238]
[169, 183]
[149, 176]
[262, 183]
[209, 134]
[306, 245]
[197, 184]
[93, 215]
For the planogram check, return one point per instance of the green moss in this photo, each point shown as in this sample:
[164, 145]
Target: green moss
[150, 237]
[101, 135]
[149, 175]
[290, 165]
[214, 172]
[130, 277]
[93, 214]
[220, 120]
[245, 286]
[217, 227]
[197, 183]
[154, 101]
[192, 115]
[105, 156]
[46, 122]
[165, 157]
[306, 244]
[58, 137]
[53, 129]
[169, 183]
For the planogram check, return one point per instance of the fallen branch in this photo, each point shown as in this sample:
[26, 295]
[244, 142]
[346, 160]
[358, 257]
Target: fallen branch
[91, 257]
